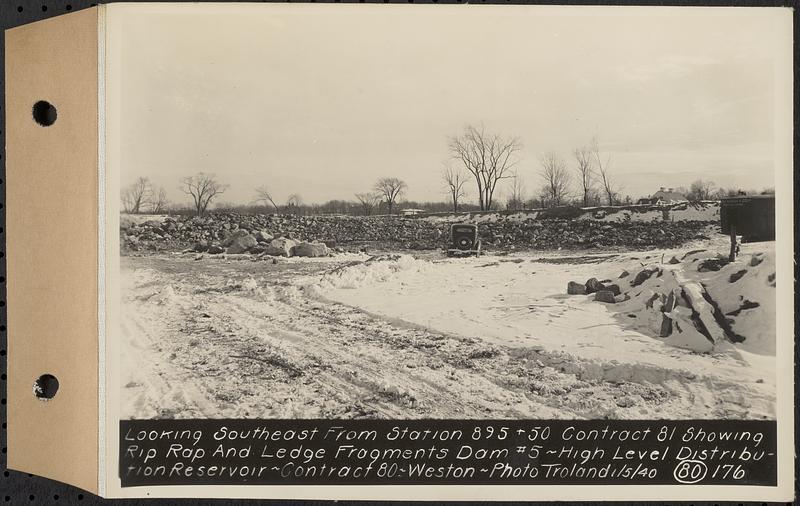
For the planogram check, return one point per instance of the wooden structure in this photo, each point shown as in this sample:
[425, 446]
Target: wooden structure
[751, 216]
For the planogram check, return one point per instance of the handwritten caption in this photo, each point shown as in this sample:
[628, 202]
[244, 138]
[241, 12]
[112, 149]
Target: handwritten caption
[260, 452]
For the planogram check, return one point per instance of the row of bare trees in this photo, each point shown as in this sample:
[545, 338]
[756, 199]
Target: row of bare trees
[141, 197]
[489, 158]
[593, 177]
[482, 158]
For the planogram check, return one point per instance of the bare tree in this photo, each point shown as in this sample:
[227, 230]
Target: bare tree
[390, 188]
[556, 178]
[160, 201]
[583, 157]
[487, 157]
[136, 196]
[700, 190]
[454, 181]
[608, 184]
[516, 200]
[264, 196]
[126, 197]
[294, 200]
[203, 188]
[368, 202]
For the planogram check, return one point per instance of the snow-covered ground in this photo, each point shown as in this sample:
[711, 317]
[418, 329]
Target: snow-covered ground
[521, 301]
[407, 337]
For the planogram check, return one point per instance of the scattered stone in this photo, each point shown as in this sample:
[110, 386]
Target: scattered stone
[613, 289]
[200, 247]
[626, 402]
[311, 249]
[644, 275]
[736, 276]
[712, 264]
[666, 326]
[746, 304]
[262, 236]
[215, 249]
[605, 296]
[692, 252]
[233, 236]
[649, 302]
[624, 274]
[674, 260]
[756, 259]
[241, 243]
[593, 285]
[574, 288]
[281, 247]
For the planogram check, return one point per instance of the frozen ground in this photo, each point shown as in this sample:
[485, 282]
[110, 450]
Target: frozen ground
[395, 336]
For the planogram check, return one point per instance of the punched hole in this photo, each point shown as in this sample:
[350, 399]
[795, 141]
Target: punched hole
[45, 387]
[44, 113]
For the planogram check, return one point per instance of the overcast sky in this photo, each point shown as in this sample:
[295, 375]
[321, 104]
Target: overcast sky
[322, 100]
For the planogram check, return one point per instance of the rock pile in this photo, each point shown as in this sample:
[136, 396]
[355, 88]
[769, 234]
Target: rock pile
[585, 234]
[234, 232]
[605, 291]
[695, 301]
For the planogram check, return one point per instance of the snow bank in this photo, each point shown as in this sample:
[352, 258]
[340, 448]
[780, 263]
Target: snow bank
[686, 211]
[744, 291]
[377, 270]
[691, 307]
[520, 302]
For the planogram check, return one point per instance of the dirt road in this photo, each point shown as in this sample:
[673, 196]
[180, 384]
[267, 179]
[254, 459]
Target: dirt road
[237, 338]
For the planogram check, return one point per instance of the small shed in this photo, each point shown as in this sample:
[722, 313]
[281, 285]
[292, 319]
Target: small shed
[752, 216]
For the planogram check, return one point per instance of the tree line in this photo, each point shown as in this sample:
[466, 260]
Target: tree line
[480, 161]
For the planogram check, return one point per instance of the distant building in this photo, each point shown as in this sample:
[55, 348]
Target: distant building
[411, 212]
[667, 196]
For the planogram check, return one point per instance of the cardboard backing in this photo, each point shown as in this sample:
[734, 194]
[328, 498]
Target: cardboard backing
[52, 220]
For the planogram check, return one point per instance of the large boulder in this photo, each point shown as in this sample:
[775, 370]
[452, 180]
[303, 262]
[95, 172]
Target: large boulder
[215, 249]
[613, 288]
[574, 288]
[241, 244]
[262, 236]
[200, 247]
[605, 296]
[593, 285]
[281, 247]
[233, 236]
[311, 249]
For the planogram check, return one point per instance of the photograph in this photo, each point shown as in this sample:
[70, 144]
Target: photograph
[500, 213]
